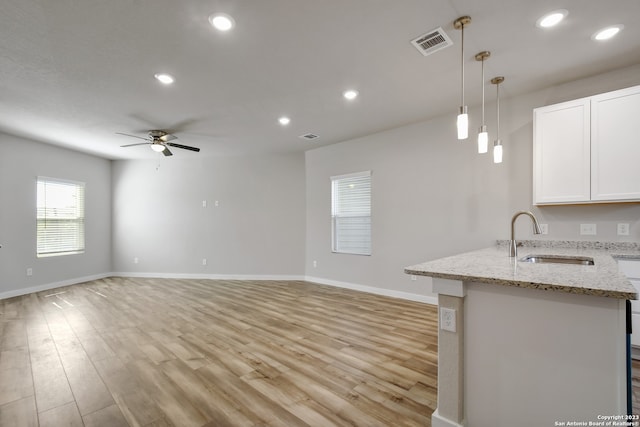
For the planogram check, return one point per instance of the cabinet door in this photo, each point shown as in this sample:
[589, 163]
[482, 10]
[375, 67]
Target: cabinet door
[561, 153]
[615, 145]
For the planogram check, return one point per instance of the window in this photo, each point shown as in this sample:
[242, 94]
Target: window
[351, 213]
[59, 217]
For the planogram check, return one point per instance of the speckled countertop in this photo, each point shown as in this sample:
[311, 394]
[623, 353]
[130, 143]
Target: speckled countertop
[493, 265]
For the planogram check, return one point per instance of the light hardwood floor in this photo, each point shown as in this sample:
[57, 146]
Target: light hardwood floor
[161, 352]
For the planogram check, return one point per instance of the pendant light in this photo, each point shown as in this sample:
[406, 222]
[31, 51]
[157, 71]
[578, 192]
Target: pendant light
[463, 118]
[497, 145]
[483, 136]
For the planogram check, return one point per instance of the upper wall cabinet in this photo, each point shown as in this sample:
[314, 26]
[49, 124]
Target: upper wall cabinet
[588, 150]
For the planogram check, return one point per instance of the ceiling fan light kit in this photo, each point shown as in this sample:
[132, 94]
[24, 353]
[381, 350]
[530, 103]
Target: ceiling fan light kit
[157, 147]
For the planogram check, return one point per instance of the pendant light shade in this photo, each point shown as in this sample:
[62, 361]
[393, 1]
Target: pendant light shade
[483, 140]
[463, 118]
[483, 136]
[497, 151]
[497, 145]
[463, 123]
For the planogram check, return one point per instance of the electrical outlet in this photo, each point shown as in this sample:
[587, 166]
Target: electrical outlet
[447, 319]
[414, 277]
[217, 203]
[204, 261]
[204, 203]
[623, 229]
[544, 228]
[315, 263]
[29, 271]
[135, 260]
[588, 229]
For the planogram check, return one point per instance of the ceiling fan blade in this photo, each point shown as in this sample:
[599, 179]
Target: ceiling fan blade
[166, 152]
[167, 137]
[132, 136]
[186, 147]
[138, 143]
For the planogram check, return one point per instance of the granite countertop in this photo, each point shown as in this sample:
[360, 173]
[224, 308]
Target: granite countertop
[493, 265]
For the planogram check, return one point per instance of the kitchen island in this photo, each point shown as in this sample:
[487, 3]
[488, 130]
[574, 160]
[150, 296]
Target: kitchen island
[531, 344]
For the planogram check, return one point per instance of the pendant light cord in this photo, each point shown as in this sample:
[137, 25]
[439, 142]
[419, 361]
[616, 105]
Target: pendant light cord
[462, 61]
[498, 110]
[483, 91]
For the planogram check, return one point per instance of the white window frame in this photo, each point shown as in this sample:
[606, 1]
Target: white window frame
[60, 229]
[356, 211]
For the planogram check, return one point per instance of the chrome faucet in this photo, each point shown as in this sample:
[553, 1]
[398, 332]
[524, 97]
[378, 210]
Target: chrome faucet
[513, 249]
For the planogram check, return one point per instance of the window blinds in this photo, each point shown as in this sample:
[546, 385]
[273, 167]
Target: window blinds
[351, 213]
[59, 217]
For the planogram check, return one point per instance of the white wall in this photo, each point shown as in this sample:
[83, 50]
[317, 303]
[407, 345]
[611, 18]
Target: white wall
[21, 161]
[434, 196]
[257, 229]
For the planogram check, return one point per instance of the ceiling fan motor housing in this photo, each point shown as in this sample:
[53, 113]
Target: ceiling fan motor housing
[157, 134]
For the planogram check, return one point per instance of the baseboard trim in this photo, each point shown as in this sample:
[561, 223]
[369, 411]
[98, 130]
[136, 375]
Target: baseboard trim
[439, 421]
[53, 285]
[433, 300]
[209, 276]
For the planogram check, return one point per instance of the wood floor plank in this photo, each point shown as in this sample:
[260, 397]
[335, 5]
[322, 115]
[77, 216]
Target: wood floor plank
[109, 416]
[169, 398]
[64, 415]
[15, 384]
[261, 408]
[20, 412]
[210, 401]
[139, 409]
[180, 352]
[87, 386]
[50, 381]
[14, 334]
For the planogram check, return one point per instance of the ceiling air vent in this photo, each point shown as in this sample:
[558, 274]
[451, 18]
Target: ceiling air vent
[432, 41]
[309, 136]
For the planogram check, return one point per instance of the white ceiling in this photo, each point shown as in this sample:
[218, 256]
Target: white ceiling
[74, 73]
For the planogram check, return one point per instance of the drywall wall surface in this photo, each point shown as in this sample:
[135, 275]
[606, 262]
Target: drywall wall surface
[434, 196]
[210, 216]
[21, 162]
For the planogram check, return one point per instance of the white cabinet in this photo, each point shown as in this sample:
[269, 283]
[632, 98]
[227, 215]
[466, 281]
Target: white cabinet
[587, 150]
[561, 158]
[615, 145]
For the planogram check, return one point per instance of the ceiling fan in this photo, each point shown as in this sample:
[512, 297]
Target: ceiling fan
[159, 141]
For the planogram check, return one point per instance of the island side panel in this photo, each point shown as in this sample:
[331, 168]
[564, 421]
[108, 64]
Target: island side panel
[537, 357]
[451, 364]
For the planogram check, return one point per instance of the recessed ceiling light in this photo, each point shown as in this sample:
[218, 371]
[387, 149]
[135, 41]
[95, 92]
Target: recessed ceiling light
[607, 33]
[552, 19]
[284, 120]
[222, 21]
[350, 94]
[163, 78]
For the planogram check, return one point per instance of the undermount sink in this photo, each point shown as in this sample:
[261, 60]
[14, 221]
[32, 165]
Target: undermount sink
[558, 259]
